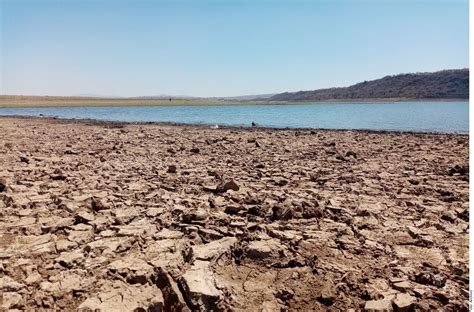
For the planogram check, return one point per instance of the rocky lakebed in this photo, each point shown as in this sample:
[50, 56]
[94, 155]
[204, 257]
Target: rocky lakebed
[103, 216]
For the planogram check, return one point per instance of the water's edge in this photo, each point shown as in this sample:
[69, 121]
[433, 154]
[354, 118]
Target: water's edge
[120, 124]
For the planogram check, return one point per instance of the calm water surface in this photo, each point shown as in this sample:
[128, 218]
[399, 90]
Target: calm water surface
[404, 116]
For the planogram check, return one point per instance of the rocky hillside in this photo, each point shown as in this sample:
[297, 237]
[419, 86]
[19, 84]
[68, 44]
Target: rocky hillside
[446, 84]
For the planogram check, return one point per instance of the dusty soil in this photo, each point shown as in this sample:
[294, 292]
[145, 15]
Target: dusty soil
[154, 217]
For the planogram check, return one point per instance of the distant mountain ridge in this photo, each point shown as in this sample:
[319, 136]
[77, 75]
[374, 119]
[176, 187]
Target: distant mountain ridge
[445, 84]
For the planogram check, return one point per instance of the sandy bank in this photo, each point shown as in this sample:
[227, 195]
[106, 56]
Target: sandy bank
[44, 101]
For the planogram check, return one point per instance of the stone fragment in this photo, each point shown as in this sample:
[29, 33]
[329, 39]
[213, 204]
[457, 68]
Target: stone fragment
[449, 216]
[64, 244]
[24, 159]
[9, 284]
[123, 297]
[10, 300]
[402, 286]
[427, 278]
[233, 209]
[3, 185]
[33, 278]
[98, 204]
[208, 234]
[70, 259]
[458, 170]
[153, 212]
[171, 169]
[168, 234]
[263, 249]
[194, 215]
[403, 303]
[419, 292]
[136, 271]
[199, 286]
[228, 185]
[378, 306]
[57, 224]
[284, 294]
[213, 249]
[84, 217]
[172, 295]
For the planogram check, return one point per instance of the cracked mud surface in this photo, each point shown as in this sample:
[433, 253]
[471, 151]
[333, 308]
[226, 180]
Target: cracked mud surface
[154, 217]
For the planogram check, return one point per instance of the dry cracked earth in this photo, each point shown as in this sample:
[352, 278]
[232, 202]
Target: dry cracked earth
[138, 217]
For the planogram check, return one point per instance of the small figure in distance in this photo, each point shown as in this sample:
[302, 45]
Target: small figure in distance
[170, 99]
[254, 124]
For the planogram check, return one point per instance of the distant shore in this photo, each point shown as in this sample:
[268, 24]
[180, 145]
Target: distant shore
[47, 101]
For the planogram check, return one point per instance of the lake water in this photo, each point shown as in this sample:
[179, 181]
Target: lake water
[423, 116]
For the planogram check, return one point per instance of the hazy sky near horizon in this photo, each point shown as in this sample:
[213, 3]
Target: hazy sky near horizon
[222, 48]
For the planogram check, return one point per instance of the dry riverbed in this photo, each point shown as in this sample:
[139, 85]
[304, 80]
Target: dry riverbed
[150, 217]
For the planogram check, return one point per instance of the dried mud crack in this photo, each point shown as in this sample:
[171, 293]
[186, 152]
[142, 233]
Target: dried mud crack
[137, 217]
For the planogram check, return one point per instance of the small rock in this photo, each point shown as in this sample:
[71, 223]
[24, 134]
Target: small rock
[426, 278]
[351, 153]
[58, 177]
[225, 186]
[63, 245]
[464, 215]
[458, 170]
[9, 284]
[33, 278]
[402, 286]
[10, 300]
[213, 249]
[233, 210]
[378, 306]
[326, 298]
[194, 150]
[313, 212]
[285, 294]
[403, 303]
[24, 159]
[171, 292]
[449, 216]
[171, 169]
[419, 292]
[199, 287]
[413, 231]
[125, 297]
[97, 204]
[441, 296]
[281, 213]
[84, 217]
[263, 249]
[3, 185]
[194, 215]
[70, 259]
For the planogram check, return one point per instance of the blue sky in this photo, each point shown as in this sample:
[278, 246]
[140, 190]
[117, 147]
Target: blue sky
[222, 48]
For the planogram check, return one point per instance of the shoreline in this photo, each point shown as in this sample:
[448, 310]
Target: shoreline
[39, 102]
[116, 123]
